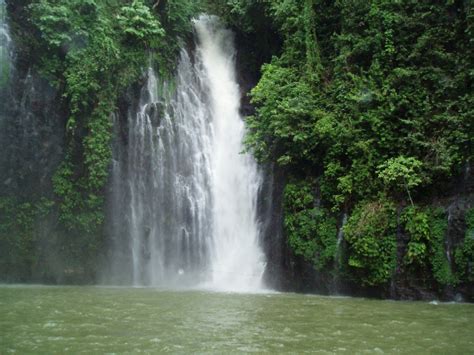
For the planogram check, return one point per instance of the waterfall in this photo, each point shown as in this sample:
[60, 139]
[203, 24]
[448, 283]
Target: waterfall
[184, 196]
[5, 44]
[30, 136]
[4, 77]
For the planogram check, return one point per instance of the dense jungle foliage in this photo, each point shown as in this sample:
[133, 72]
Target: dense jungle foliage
[367, 106]
[369, 109]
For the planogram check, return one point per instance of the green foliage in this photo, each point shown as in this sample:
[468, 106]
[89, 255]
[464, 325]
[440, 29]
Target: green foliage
[246, 15]
[416, 223]
[54, 22]
[375, 98]
[427, 246]
[88, 42]
[440, 264]
[4, 71]
[311, 230]
[96, 145]
[368, 98]
[139, 25]
[18, 221]
[176, 19]
[285, 113]
[401, 172]
[93, 50]
[371, 236]
[4, 55]
[464, 253]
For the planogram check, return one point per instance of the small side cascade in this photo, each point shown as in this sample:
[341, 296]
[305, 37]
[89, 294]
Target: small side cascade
[5, 48]
[468, 180]
[336, 284]
[340, 238]
[30, 135]
[448, 242]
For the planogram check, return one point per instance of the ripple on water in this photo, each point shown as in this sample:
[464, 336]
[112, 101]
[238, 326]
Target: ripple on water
[50, 324]
[124, 321]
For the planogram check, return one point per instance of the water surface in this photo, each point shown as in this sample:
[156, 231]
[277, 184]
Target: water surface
[38, 319]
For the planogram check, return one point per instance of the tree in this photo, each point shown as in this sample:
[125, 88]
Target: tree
[401, 172]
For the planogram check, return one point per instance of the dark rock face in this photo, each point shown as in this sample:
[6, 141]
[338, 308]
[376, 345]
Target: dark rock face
[31, 136]
[270, 211]
[456, 200]
[407, 286]
[32, 119]
[116, 242]
[287, 272]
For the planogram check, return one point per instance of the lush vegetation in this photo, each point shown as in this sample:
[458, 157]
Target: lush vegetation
[367, 106]
[18, 221]
[311, 230]
[371, 235]
[94, 51]
[465, 251]
[379, 101]
[371, 101]
[91, 52]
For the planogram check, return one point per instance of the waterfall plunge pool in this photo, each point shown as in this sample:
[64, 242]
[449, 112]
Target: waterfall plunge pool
[43, 319]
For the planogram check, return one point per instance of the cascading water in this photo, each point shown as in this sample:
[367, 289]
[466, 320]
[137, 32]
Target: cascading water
[30, 136]
[184, 196]
[5, 44]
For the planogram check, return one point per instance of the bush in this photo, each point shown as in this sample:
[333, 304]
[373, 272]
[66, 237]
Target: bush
[440, 264]
[311, 230]
[464, 253]
[371, 236]
[416, 223]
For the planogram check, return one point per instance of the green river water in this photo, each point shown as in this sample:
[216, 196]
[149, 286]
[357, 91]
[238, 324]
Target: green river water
[48, 320]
